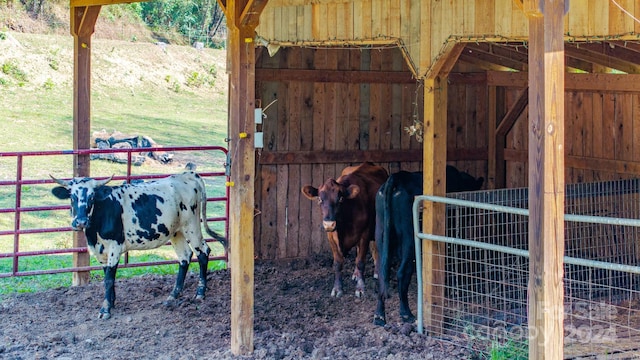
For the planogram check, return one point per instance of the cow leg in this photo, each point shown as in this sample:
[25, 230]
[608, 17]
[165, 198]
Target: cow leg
[359, 278]
[202, 252]
[184, 253]
[109, 291]
[183, 267]
[203, 260]
[376, 258]
[338, 262]
[405, 272]
[358, 274]
[379, 317]
[337, 282]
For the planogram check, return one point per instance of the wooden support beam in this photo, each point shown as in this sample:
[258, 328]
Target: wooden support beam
[434, 170]
[250, 17]
[434, 165]
[492, 150]
[489, 54]
[507, 122]
[584, 163]
[531, 8]
[241, 65]
[83, 21]
[620, 61]
[337, 76]
[223, 5]
[358, 156]
[503, 128]
[546, 182]
[580, 82]
[338, 156]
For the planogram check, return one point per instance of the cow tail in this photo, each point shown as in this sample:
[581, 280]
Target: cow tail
[385, 257]
[221, 239]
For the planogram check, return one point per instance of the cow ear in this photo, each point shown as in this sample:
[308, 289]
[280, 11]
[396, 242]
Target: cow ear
[61, 192]
[310, 192]
[353, 191]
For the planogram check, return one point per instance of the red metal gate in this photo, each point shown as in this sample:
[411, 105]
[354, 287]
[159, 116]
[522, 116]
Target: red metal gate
[17, 208]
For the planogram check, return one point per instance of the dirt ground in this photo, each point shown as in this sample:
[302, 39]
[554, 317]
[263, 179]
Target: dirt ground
[295, 318]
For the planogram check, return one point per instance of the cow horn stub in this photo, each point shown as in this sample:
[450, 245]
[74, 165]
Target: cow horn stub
[103, 182]
[59, 182]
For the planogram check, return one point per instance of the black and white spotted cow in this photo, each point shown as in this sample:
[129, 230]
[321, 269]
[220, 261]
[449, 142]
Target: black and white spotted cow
[141, 216]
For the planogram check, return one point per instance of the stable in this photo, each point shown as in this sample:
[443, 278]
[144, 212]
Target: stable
[534, 93]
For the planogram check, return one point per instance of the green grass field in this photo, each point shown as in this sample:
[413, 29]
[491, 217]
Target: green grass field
[40, 118]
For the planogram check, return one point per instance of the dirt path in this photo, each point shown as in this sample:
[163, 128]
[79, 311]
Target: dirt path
[295, 318]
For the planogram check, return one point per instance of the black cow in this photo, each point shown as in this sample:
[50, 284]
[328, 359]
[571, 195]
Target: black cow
[141, 216]
[394, 231]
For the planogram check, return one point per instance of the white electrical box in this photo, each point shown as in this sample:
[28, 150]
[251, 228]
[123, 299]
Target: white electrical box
[258, 140]
[257, 115]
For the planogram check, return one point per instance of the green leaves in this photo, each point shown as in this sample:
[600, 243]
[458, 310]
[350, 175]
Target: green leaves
[197, 20]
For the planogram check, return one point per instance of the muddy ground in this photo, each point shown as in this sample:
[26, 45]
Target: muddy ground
[295, 318]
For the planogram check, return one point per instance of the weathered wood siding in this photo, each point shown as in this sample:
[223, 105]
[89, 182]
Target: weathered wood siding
[313, 121]
[323, 123]
[423, 26]
[467, 127]
[602, 127]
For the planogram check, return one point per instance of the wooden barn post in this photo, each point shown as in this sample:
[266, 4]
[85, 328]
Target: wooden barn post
[546, 178]
[242, 19]
[434, 170]
[83, 20]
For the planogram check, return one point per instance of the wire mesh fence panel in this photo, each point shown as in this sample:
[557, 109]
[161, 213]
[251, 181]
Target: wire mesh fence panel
[486, 290]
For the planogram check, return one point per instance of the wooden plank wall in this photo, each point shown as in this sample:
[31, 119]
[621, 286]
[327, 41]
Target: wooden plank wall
[423, 26]
[313, 119]
[326, 120]
[467, 127]
[602, 135]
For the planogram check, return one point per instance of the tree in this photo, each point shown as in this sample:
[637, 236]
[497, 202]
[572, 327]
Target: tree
[197, 20]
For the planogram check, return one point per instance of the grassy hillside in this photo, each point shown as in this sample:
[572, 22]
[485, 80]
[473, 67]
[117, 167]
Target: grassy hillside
[174, 94]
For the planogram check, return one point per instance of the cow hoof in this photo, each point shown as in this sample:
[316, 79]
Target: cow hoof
[406, 329]
[379, 320]
[336, 293]
[359, 293]
[104, 314]
[170, 302]
[200, 293]
[408, 318]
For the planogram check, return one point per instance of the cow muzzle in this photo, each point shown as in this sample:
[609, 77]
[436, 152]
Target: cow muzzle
[329, 226]
[80, 224]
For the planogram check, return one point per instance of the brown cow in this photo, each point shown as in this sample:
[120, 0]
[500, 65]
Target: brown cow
[348, 216]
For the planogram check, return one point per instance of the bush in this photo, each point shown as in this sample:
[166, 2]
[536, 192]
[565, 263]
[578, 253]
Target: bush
[48, 85]
[54, 63]
[195, 79]
[11, 68]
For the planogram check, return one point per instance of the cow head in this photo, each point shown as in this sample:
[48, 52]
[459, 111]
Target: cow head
[82, 192]
[330, 197]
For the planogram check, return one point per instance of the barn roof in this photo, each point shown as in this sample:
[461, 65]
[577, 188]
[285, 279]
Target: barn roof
[598, 35]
